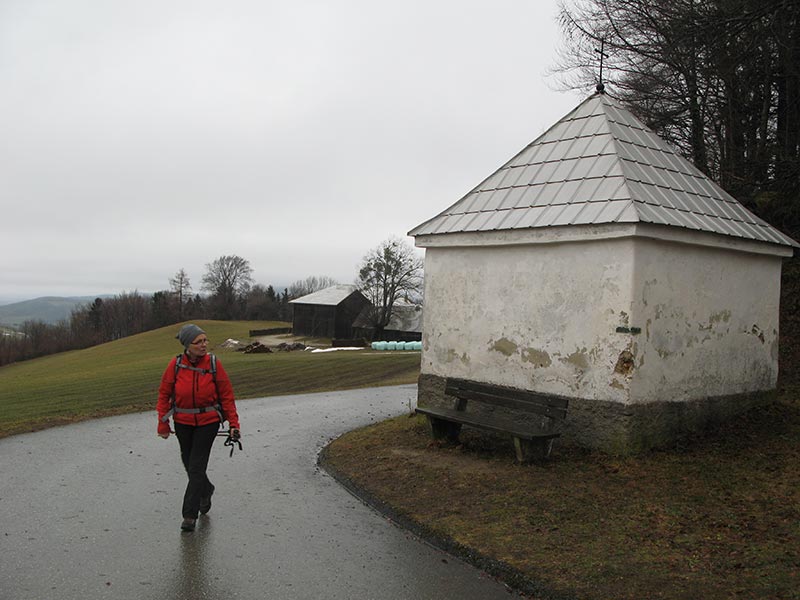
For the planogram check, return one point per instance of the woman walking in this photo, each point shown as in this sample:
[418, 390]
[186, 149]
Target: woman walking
[196, 392]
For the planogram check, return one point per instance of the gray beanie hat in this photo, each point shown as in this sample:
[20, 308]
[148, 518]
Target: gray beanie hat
[188, 333]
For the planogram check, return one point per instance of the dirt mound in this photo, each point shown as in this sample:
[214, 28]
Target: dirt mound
[290, 347]
[255, 348]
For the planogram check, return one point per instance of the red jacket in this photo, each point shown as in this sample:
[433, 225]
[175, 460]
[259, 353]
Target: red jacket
[194, 389]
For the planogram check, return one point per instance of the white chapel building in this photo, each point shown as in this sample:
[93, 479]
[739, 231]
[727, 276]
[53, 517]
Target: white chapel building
[599, 265]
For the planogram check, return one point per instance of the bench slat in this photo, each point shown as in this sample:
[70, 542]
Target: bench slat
[485, 422]
[516, 393]
[523, 405]
[552, 406]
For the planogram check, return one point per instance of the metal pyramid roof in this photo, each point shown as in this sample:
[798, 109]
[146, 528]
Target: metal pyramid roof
[330, 296]
[599, 165]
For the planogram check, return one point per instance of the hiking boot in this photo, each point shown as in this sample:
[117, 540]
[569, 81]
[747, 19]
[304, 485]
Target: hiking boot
[188, 524]
[205, 502]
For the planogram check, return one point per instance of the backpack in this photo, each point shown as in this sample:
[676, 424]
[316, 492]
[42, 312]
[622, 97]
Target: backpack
[179, 364]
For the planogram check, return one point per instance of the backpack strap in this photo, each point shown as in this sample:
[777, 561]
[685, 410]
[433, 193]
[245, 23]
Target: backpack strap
[179, 364]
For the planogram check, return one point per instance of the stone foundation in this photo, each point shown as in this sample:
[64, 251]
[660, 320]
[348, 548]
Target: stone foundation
[625, 429]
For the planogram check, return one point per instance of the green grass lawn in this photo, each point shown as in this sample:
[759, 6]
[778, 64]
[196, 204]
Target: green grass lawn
[123, 376]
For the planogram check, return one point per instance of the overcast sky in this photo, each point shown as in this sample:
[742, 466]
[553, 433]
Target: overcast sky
[139, 138]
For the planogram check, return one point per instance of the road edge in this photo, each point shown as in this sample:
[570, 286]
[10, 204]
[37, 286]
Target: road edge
[501, 571]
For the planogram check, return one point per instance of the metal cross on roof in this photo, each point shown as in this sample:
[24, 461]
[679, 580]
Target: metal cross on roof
[600, 87]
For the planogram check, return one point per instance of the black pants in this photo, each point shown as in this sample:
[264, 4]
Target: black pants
[196, 445]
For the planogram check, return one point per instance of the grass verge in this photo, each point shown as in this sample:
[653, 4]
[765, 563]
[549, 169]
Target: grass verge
[718, 517]
[123, 376]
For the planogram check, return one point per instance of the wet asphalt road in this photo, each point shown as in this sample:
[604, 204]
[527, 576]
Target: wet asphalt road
[92, 510]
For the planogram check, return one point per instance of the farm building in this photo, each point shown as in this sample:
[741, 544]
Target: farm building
[327, 313]
[404, 326]
[599, 266]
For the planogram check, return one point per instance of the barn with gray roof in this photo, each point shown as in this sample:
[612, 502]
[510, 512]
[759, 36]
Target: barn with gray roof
[328, 313]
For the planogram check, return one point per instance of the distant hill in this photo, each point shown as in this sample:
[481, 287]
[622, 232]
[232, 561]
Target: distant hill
[50, 309]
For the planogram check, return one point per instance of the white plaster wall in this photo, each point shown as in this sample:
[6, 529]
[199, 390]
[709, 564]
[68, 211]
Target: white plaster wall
[709, 319]
[540, 317]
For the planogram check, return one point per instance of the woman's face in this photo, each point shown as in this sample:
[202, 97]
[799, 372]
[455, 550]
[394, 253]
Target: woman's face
[199, 347]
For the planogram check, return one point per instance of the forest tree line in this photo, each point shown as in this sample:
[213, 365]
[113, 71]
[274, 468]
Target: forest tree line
[389, 272]
[230, 295]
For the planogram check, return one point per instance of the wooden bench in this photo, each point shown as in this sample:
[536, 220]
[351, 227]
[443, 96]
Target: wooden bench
[532, 440]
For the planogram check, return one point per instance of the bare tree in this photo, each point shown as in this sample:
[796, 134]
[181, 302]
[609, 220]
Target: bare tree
[654, 58]
[309, 285]
[182, 290]
[389, 272]
[125, 314]
[228, 278]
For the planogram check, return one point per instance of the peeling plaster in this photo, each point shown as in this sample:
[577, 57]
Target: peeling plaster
[610, 285]
[450, 356]
[722, 316]
[696, 317]
[616, 384]
[659, 311]
[579, 358]
[646, 290]
[756, 331]
[625, 363]
[538, 358]
[504, 346]
[595, 353]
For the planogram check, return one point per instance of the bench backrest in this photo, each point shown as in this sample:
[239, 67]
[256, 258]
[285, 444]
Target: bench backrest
[554, 407]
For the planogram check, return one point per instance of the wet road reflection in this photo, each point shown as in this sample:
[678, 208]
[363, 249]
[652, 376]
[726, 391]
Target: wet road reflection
[193, 577]
[92, 511]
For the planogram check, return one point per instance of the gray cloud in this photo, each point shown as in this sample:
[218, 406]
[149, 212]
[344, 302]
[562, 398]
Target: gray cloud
[144, 137]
